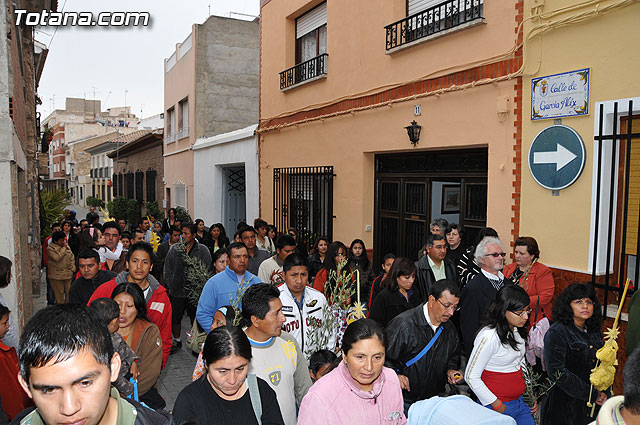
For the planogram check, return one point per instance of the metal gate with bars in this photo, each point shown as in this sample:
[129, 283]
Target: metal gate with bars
[303, 199]
[619, 236]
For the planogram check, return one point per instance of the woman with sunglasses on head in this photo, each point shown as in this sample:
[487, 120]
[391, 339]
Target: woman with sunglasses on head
[494, 370]
[570, 347]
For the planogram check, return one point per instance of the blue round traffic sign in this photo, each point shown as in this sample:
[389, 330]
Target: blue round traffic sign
[556, 157]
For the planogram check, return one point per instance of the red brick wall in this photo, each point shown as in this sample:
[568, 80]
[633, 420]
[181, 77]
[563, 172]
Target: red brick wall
[517, 134]
[142, 160]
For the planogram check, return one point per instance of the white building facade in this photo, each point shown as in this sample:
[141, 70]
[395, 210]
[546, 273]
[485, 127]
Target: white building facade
[225, 179]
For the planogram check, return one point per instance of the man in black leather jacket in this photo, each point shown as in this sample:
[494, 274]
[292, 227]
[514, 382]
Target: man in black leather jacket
[410, 332]
[425, 277]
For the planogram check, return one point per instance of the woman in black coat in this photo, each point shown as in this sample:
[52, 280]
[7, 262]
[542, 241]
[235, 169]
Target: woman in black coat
[570, 347]
[397, 294]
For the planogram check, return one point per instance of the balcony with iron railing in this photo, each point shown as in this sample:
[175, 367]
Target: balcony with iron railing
[438, 20]
[304, 72]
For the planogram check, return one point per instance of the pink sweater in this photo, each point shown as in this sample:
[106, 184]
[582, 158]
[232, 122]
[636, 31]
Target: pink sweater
[337, 399]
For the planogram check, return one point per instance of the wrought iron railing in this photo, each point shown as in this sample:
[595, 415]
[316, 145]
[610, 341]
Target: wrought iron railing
[303, 199]
[619, 248]
[444, 16]
[304, 71]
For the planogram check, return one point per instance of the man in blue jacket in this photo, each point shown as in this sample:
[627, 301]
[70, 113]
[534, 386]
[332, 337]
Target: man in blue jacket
[226, 287]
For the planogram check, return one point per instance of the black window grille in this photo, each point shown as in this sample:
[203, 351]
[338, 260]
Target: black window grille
[303, 199]
[140, 186]
[129, 184]
[114, 184]
[622, 246]
[151, 185]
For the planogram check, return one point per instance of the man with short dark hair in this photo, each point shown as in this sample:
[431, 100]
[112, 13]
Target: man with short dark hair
[256, 255]
[226, 287]
[91, 277]
[139, 263]
[112, 254]
[424, 374]
[301, 304]
[270, 271]
[125, 240]
[138, 236]
[122, 222]
[163, 250]
[434, 266]
[436, 227]
[67, 365]
[276, 356]
[482, 289]
[145, 226]
[174, 277]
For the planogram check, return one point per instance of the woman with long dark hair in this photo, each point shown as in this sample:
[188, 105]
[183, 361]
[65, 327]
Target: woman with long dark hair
[397, 294]
[143, 338]
[316, 258]
[217, 238]
[336, 255]
[360, 390]
[201, 231]
[494, 370]
[361, 266]
[570, 347]
[227, 394]
[169, 221]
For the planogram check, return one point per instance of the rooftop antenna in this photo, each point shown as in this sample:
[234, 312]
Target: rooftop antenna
[209, 10]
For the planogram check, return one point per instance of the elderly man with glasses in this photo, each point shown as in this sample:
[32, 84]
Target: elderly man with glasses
[482, 289]
[424, 347]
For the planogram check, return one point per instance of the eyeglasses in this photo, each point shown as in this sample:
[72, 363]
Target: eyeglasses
[453, 307]
[522, 313]
[497, 254]
[582, 302]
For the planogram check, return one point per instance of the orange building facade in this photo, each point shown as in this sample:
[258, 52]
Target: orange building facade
[339, 84]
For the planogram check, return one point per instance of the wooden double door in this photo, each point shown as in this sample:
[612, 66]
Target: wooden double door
[406, 202]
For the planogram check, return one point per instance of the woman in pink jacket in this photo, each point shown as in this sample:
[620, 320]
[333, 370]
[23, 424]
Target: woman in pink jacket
[360, 390]
[533, 276]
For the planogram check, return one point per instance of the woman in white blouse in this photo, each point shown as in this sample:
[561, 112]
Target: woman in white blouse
[494, 370]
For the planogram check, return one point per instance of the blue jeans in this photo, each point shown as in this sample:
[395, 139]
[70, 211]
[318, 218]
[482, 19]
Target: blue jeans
[519, 411]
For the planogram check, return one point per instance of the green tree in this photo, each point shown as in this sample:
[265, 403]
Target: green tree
[128, 209]
[153, 209]
[52, 206]
[95, 202]
[183, 215]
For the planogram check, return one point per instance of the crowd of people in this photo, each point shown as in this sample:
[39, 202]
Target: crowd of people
[284, 334]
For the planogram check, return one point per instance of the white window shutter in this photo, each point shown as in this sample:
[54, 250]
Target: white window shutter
[313, 19]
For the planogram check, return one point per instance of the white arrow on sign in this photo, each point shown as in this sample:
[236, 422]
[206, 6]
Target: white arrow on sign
[562, 157]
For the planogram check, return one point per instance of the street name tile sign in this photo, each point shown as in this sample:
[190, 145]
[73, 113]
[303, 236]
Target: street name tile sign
[557, 157]
[560, 95]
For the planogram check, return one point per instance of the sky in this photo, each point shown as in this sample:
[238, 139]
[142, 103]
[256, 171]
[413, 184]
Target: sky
[107, 61]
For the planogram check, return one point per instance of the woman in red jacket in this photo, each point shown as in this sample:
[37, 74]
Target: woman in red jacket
[533, 276]
[13, 399]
